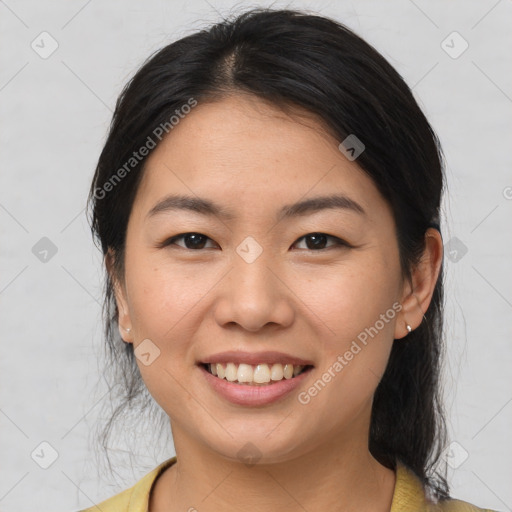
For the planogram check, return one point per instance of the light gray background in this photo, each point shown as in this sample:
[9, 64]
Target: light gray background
[54, 115]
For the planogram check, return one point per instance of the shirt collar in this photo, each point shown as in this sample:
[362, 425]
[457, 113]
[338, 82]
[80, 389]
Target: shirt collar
[409, 493]
[139, 499]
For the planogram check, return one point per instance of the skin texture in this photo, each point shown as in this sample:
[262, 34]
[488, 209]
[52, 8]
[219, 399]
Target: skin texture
[252, 158]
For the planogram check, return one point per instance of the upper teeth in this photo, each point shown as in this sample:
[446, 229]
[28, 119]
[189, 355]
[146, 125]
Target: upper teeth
[260, 373]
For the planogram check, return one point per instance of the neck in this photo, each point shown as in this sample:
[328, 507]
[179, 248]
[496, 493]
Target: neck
[344, 478]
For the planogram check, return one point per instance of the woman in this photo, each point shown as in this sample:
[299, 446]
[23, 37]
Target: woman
[267, 202]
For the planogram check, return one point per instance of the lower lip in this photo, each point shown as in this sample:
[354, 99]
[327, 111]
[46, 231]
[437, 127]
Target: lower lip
[244, 394]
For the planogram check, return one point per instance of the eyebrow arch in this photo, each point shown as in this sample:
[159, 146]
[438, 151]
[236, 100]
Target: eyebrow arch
[208, 208]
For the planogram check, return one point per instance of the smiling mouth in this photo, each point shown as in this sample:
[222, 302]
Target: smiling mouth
[255, 375]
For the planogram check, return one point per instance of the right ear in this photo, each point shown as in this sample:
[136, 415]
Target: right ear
[124, 321]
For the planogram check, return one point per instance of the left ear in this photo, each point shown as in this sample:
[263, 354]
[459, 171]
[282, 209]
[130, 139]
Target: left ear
[418, 292]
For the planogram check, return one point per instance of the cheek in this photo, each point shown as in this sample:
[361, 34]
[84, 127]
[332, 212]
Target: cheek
[350, 297]
[159, 305]
[163, 306]
[160, 297]
[355, 307]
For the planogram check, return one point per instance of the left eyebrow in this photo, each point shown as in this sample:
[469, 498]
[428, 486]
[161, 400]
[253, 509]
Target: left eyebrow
[206, 207]
[316, 204]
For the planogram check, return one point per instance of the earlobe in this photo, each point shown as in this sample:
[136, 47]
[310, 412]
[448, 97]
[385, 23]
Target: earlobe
[420, 288]
[125, 334]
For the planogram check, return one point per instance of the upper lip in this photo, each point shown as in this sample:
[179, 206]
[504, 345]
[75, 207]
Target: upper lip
[268, 357]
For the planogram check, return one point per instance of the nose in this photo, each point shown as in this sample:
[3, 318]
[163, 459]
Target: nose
[253, 295]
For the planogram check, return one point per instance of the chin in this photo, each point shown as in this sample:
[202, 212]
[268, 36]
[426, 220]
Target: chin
[259, 448]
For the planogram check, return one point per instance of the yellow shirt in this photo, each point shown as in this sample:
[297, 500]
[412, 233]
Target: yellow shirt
[408, 495]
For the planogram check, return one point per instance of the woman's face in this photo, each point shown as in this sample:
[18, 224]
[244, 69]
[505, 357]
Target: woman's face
[320, 285]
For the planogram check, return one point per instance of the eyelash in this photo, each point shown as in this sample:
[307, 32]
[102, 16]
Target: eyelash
[339, 241]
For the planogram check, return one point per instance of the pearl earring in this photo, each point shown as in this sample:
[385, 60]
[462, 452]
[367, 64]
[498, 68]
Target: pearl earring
[127, 329]
[409, 328]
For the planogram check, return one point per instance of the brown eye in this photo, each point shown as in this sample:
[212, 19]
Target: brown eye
[192, 241]
[317, 241]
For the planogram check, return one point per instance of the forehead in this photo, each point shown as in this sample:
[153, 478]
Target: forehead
[245, 152]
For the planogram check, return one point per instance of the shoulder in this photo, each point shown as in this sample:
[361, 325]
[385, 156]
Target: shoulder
[453, 505]
[118, 503]
[134, 499]
[410, 495]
